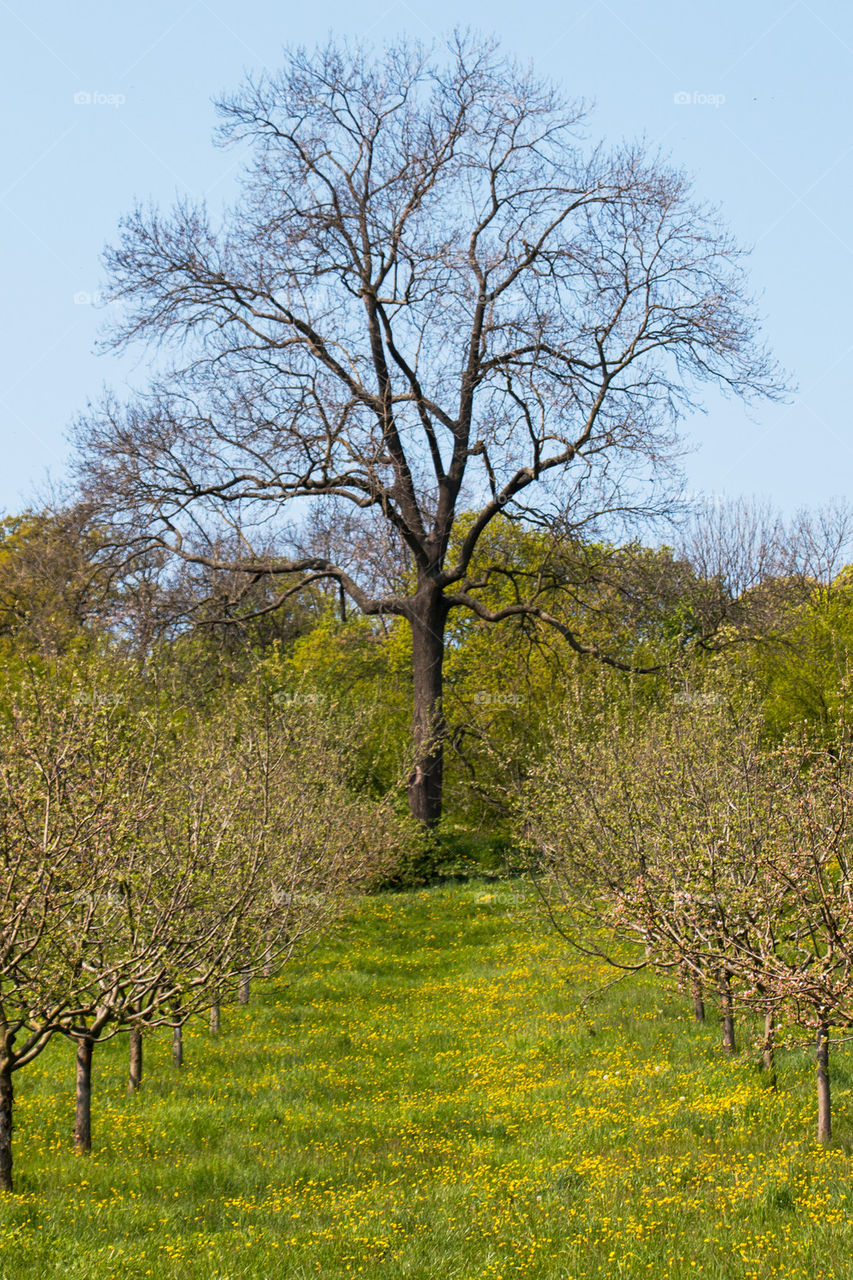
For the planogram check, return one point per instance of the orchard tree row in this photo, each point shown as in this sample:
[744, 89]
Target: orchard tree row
[688, 839]
[155, 855]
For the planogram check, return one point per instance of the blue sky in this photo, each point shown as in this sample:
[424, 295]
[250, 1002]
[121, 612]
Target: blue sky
[104, 103]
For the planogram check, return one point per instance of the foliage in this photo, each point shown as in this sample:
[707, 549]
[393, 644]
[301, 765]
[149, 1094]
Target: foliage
[52, 585]
[803, 669]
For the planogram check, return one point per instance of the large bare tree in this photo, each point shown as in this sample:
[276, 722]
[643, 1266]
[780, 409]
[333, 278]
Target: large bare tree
[431, 299]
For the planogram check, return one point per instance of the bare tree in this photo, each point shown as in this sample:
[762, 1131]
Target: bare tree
[752, 568]
[60, 776]
[431, 299]
[647, 834]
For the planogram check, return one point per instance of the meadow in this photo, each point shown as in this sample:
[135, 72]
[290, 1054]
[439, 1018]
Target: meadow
[439, 1090]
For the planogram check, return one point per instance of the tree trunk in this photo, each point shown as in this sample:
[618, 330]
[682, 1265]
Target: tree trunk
[768, 1048]
[135, 1075]
[698, 1000]
[214, 1019]
[7, 1096]
[177, 1045]
[824, 1109]
[244, 988]
[83, 1106]
[425, 781]
[726, 1011]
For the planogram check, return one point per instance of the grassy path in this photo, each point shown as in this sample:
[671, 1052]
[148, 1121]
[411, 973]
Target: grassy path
[428, 1099]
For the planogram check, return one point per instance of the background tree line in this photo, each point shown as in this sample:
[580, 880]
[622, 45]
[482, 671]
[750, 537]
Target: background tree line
[739, 597]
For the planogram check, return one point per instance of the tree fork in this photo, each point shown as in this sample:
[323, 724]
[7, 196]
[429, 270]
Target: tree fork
[698, 999]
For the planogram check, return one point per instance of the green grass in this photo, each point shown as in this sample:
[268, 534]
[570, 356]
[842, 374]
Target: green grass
[426, 1097]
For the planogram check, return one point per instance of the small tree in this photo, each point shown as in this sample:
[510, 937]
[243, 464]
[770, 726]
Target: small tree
[61, 828]
[249, 846]
[315, 840]
[803, 891]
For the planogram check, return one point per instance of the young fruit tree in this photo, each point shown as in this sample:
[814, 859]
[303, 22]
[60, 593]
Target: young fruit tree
[760, 846]
[72, 796]
[801, 961]
[282, 773]
[432, 300]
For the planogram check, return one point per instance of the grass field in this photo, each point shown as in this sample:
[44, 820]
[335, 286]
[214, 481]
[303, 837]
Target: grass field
[426, 1097]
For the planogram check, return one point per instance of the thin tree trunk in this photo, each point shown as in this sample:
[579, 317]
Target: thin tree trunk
[7, 1097]
[177, 1045]
[698, 999]
[83, 1101]
[214, 1019]
[824, 1107]
[245, 988]
[768, 1048]
[726, 1012]
[425, 781]
[135, 1074]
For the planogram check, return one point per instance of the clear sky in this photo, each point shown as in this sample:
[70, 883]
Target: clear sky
[104, 103]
